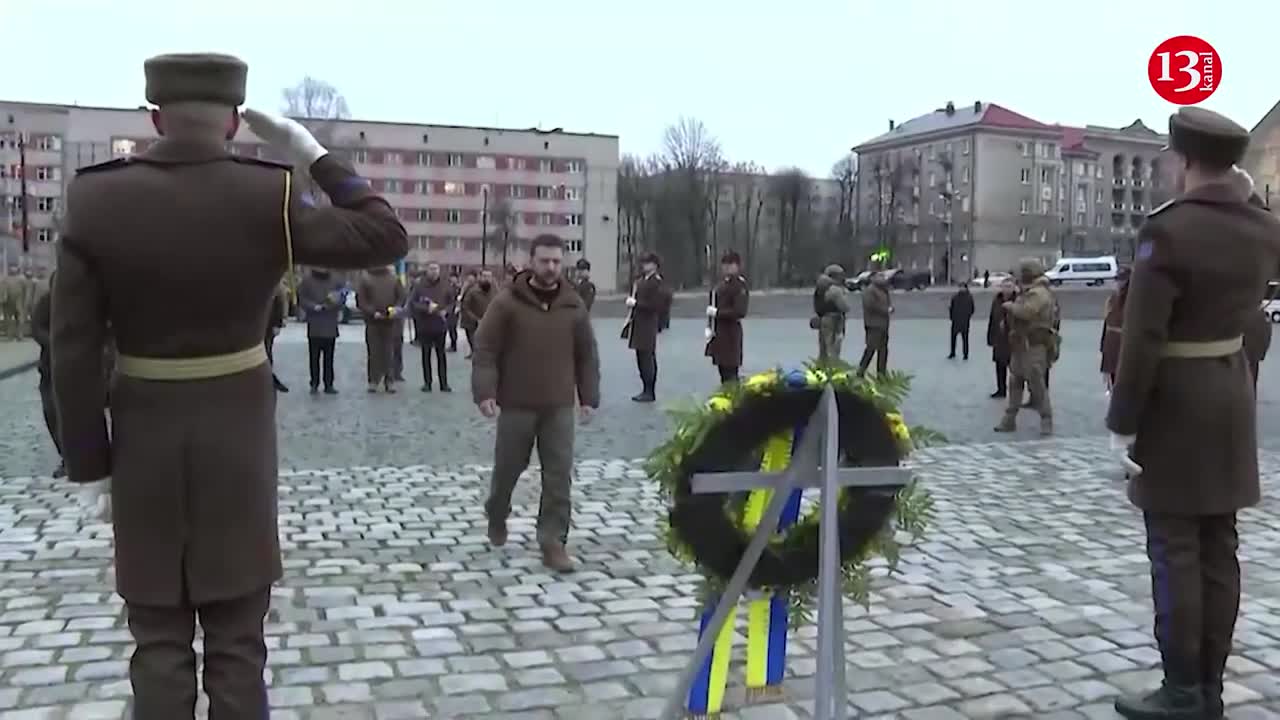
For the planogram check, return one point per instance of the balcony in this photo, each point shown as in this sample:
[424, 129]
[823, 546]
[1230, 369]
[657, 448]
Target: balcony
[1139, 208]
[1117, 206]
[1137, 182]
[1118, 181]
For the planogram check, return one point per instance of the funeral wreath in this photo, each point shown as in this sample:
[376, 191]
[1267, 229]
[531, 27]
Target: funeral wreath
[738, 427]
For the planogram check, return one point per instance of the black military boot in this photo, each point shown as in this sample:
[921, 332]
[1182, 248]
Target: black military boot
[1169, 702]
[1214, 709]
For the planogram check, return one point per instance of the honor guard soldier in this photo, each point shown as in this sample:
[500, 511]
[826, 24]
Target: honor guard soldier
[1182, 413]
[190, 459]
[583, 284]
[729, 302]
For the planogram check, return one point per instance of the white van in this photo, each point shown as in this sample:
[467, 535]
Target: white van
[1091, 271]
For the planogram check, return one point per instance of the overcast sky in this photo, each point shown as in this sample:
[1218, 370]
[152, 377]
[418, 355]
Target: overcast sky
[779, 83]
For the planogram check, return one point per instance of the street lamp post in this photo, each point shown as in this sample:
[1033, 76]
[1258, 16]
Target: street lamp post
[484, 227]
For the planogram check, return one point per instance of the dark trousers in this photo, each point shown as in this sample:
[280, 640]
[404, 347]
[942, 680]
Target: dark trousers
[453, 334]
[647, 364]
[960, 330]
[878, 348]
[397, 350]
[50, 410]
[163, 667]
[434, 345]
[1046, 378]
[552, 430]
[728, 373]
[320, 353]
[379, 343]
[1002, 376]
[471, 342]
[1195, 588]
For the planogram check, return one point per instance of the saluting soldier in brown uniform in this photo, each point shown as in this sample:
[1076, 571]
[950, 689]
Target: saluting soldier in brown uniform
[192, 450]
[1184, 403]
[724, 317]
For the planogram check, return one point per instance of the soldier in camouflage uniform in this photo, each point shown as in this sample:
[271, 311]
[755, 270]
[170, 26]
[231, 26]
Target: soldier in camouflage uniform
[830, 307]
[1033, 345]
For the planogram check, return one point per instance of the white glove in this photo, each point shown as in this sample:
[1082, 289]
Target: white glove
[285, 134]
[712, 311]
[631, 302]
[708, 333]
[94, 500]
[1120, 445]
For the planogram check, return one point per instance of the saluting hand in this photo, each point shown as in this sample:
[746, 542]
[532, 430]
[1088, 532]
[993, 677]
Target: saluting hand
[285, 134]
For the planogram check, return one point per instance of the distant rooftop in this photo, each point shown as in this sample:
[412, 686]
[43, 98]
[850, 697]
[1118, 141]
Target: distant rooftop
[58, 107]
[952, 117]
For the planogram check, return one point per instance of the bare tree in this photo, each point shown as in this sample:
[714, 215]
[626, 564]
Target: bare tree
[790, 189]
[845, 173]
[634, 188]
[690, 155]
[319, 106]
[502, 225]
[889, 176]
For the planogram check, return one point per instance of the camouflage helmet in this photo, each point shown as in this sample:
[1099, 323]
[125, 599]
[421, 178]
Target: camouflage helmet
[1030, 269]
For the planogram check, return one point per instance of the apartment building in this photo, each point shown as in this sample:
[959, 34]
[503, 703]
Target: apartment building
[451, 186]
[966, 189]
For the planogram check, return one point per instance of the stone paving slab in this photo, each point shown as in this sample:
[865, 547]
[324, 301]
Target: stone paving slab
[17, 356]
[1028, 598]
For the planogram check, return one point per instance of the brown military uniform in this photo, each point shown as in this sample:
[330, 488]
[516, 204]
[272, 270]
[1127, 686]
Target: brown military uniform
[475, 300]
[1257, 340]
[645, 322]
[1112, 329]
[724, 347]
[1183, 389]
[432, 326]
[192, 446]
[876, 309]
[379, 297]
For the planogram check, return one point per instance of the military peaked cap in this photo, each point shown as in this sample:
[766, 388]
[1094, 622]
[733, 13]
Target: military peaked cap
[583, 264]
[833, 270]
[731, 258]
[196, 77]
[651, 257]
[1205, 136]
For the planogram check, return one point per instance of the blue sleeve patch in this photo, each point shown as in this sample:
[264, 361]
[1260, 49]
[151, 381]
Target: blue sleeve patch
[308, 200]
[1145, 249]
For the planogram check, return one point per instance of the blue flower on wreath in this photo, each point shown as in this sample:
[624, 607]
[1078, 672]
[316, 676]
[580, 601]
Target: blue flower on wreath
[796, 379]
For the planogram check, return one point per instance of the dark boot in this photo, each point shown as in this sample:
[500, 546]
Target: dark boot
[1170, 702]
[1214, 709]
[643, 397]
[555, 557]
[497, 532]
[999, 394]
[331, 390]
[60, 471]
[280, 387]
[1007, 425]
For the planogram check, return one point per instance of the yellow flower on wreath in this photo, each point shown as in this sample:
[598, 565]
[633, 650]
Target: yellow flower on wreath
[898, 426]
[719, 403]
[761, 381]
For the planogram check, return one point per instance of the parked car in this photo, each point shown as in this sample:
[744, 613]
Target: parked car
[900, 279]
[1090, 271]
[1272, 308]
[995, 279]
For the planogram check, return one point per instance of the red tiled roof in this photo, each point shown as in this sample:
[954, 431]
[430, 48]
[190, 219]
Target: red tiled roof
[1000, 116]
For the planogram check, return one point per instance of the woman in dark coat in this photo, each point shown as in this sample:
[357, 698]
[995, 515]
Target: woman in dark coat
[1113, 328]
[998, 339]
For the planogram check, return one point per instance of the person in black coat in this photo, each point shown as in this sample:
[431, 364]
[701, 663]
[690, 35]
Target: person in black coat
[961, 312]
[998, 339]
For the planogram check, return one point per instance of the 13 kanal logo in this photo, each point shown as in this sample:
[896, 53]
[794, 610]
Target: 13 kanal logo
[1184, 70]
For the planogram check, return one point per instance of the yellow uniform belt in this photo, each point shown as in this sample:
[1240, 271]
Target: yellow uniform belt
[186, 369]
[1114, 329]
[1203, 349]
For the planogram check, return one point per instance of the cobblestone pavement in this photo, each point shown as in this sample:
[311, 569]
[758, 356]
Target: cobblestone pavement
[355, 428]
[1028, 598]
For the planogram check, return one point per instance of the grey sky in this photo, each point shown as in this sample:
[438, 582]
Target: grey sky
[779, 83]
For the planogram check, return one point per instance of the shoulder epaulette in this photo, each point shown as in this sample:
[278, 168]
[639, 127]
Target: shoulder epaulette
[108, 165]
[1162, 207]
[657, 276]
[260, 162]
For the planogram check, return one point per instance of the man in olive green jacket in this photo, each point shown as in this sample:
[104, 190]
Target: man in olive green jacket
[1032, 343]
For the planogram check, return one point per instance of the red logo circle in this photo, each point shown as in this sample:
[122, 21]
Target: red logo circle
[1184, 70]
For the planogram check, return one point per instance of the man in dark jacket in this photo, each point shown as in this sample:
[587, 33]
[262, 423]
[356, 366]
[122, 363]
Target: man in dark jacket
[961, 312]
[877, 307]
[582, 283]
[998, 338]
[431, 302]
[647, 303]
[322, 299]
[535, 360]
[381, 298]
[475, 300]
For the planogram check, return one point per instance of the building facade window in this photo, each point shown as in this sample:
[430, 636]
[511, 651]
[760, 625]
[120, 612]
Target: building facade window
[424, 159]
[545, 166]
[392, 158]
[575, 219]
[424, 215]
[455, 188]
[393, 186]
[573, 246]
[422, 242]
[964, 174]
[47, 172]
[517, 191]
[452, 216]
[453, 243]
[545, 219]
[455, 161]
[422, 187]
[544, 192]
[44, 235]
[46, 204]
[573, 166]
[1024, 206]
[1044, 236]
[518, 163]
[964, 147]
[485, 162]
[48, 142]
[1025, 176]
[572, 193]
[1022, 234]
